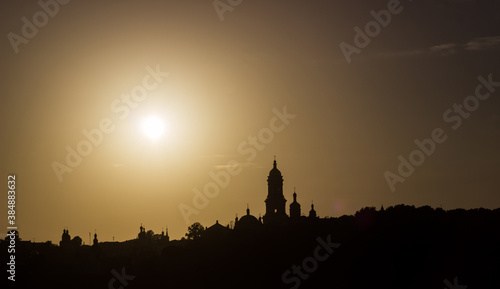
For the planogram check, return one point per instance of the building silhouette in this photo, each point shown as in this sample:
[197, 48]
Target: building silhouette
[164, 235]
[312, 212]
[142, 233]
[275, 201]
[280, 248]
[65, 239]
[247, 223]
[275, 211]
[294, 207]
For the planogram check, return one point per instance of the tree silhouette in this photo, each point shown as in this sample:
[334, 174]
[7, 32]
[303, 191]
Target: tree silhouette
[195, 231]
[16, 234]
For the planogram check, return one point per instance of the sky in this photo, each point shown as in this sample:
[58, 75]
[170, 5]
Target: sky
[230, 85]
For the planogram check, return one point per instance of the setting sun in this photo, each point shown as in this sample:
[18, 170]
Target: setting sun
[153, 127]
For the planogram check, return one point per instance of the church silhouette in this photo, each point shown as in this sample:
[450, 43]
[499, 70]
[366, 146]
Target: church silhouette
[417, 247]
[275, 215]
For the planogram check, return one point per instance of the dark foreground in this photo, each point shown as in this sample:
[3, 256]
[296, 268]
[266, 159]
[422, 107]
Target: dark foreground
[401, 247]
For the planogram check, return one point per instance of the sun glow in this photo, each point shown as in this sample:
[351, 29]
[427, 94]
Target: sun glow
[153, 127]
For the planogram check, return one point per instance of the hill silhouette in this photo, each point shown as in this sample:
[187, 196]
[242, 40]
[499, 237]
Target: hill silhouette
[398, 247]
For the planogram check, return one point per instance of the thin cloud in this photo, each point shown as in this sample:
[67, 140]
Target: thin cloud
[445, 49]
[476, 44]
[484, 43]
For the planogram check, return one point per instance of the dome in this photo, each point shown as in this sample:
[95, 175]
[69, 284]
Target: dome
[294, 205]
[312, 212]
[274, 171]
[247, 222]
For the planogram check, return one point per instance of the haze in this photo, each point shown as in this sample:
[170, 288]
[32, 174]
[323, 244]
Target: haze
[219, 83]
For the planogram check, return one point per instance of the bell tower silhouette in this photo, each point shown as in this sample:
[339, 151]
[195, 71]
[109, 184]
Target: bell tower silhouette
[275, 201]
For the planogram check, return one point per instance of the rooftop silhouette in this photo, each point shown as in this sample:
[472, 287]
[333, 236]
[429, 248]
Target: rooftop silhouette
[275, 251]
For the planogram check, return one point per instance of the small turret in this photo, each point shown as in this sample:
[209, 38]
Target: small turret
[294, 207]
[312, 212]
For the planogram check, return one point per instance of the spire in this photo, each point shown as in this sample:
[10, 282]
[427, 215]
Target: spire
[96, 242]
[294, 195]
[248, 210]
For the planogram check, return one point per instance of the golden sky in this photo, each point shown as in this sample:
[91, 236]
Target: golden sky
[215, 80]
